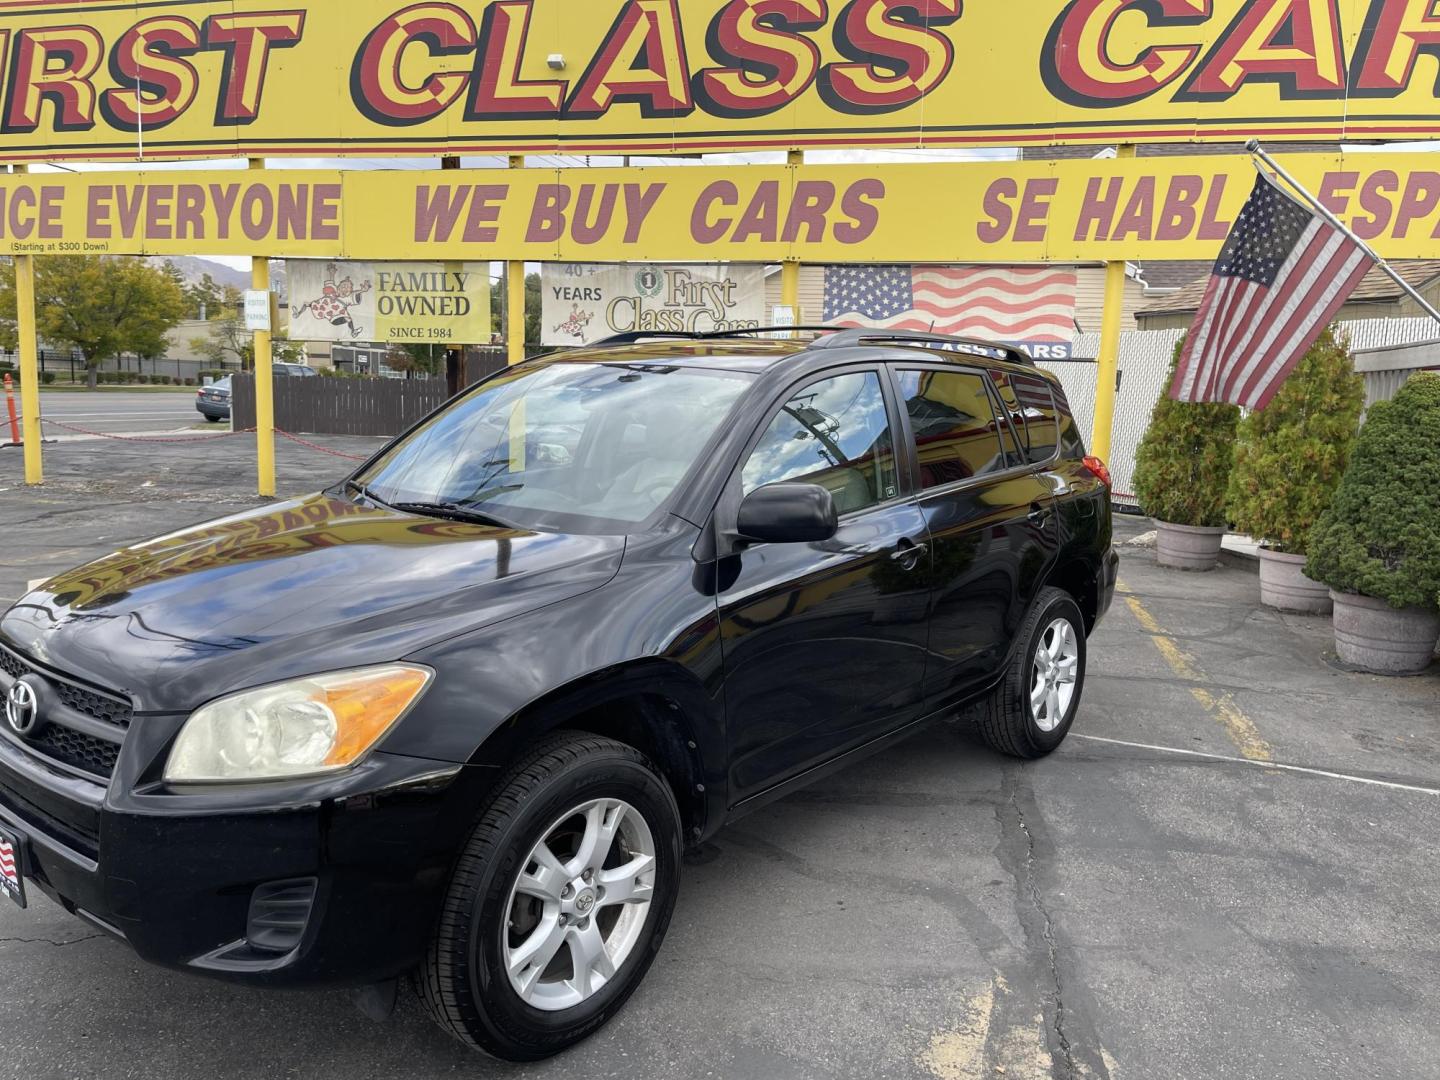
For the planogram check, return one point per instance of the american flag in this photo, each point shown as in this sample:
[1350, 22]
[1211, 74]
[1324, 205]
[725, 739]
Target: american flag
[8, 870]
[1284, 273]
[1013, 305]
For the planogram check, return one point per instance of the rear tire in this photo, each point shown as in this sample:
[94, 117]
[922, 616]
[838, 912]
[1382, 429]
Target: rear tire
[507, 970]
[211, 419]
[1030, 712]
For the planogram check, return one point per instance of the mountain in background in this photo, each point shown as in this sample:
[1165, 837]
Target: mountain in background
[192, 269]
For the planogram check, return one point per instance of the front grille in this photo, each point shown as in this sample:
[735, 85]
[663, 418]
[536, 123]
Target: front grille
[86, 752]
[62, 735]
[90, 703]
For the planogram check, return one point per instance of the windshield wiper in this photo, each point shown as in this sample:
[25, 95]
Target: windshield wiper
[453, 511]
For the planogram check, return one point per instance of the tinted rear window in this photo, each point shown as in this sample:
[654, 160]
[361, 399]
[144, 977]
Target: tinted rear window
[957, 436]
[1033, 415]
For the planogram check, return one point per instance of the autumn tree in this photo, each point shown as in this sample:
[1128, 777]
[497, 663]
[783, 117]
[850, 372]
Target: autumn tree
[101, 306]
[227, 341]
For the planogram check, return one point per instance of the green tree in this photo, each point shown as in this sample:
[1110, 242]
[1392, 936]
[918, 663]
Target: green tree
[1182, 467]
[209, 296]
[1380, 536]
[1290, 456]
[415, 358]
[227, 341]
[532, 307]
[100, 305]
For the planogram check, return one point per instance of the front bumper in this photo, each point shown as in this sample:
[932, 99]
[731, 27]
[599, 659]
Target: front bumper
[190, 879]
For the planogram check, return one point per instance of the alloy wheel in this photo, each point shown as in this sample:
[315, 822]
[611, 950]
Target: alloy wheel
[579, 904]
[1056, 669]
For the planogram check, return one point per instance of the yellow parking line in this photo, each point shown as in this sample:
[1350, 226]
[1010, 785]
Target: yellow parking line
[1241, 729]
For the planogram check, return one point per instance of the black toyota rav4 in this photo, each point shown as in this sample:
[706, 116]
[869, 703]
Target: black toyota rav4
[459, 715]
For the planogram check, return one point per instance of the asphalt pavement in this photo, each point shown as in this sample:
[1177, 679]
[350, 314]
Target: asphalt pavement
[1230, 870]
[118, 411]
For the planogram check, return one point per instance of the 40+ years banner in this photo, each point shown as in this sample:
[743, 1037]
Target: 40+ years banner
[135, 79]
[583, 302]
[973, 212]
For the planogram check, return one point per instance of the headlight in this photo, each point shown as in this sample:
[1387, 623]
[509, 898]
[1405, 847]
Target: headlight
[317, 724]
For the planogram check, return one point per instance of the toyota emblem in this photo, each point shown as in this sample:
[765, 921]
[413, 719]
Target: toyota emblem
[22, 707]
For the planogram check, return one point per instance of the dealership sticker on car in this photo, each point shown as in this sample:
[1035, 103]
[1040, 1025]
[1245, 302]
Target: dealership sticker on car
[12, 855]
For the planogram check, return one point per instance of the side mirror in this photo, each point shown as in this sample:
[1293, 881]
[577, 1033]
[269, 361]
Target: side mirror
[788, 514]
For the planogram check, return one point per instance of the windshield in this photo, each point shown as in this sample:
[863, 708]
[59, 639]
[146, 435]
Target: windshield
[572, 447]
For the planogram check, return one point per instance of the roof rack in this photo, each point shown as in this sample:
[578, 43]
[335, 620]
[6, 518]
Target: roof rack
[630, 337]
[970, 346]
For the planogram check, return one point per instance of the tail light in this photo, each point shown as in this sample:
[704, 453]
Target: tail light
[1098, 470]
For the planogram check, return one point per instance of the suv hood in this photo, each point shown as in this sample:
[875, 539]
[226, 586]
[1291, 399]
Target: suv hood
[298, 587]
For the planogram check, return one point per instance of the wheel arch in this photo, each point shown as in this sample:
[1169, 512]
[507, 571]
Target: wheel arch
[653, 705]
[1078, 574]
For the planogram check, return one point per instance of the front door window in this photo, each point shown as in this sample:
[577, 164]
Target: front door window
[834, 433]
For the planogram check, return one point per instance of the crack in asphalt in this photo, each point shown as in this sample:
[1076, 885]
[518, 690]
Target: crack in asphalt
[49, 941]
[1047, 932]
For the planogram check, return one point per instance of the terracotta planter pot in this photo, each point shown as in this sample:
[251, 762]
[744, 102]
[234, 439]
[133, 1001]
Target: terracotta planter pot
[1187, 547]
[1371, 634]
[1284, 586]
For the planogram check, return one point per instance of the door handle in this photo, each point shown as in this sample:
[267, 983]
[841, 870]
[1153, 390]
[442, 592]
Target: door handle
[908, 553]
[1038, 515]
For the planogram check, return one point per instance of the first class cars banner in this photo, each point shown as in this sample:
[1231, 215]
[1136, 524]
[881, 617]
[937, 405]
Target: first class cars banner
[582, 303]
[135, 79]
[946, 213]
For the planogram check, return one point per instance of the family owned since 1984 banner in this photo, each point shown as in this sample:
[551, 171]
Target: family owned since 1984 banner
[584, 302]
[399, 302]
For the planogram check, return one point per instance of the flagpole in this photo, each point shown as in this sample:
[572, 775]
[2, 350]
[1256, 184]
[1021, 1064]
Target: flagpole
[1324, 211]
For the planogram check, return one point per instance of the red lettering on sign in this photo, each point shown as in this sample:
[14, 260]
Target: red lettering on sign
[497, 91]
[54, 64]
[897, 54]
[704, 229]
[247, 41]
[641, 60]
[1394, 34]
[1295, 43]
[1080, 68]
[859, 205]
[770, 60]
[155, 85]
[376, 84]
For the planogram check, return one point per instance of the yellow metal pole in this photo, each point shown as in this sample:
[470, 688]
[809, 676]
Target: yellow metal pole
[515, 342]
[790, 268]
[1108, 363]
[515, 297]
[29, 364]
[264, 379]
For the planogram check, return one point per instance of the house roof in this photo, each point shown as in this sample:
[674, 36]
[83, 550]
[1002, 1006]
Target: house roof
[1173, 273]
[1375, 287]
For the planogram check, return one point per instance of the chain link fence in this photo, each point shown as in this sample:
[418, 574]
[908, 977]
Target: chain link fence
[1145, 362]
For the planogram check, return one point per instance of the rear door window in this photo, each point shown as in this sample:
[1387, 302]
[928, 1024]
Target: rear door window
[1031, 408]
[957, 435]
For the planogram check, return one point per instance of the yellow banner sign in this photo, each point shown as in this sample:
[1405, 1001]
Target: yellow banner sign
[135, 79]
[1003, 212]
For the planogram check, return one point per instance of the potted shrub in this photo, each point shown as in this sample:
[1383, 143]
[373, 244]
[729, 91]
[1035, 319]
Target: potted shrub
[1182, 470]
[1289, 458]
[1378, 545]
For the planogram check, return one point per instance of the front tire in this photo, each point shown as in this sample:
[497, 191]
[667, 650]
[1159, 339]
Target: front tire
[559, 900]
[1031, 711]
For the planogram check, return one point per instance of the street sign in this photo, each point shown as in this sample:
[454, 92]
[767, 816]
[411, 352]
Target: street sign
[257, 309]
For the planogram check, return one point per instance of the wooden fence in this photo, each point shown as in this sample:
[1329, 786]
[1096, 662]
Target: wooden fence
[326, 406]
